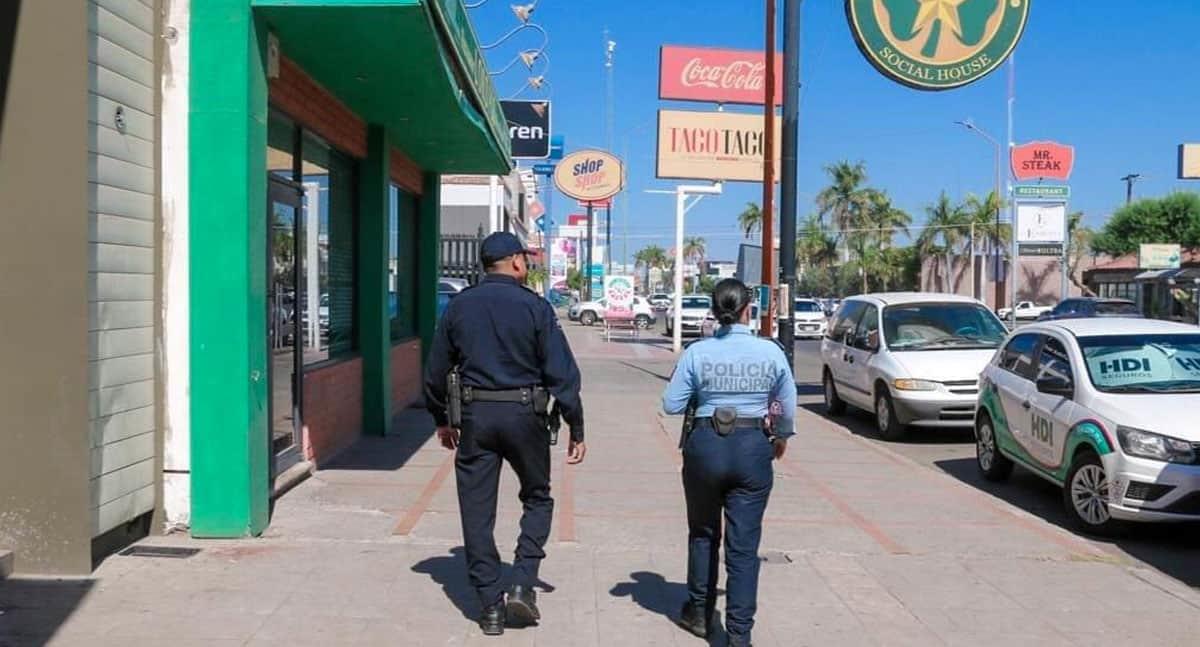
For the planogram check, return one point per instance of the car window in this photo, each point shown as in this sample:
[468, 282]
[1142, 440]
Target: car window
[866, 335]
[1017, 356]
[1135, 363]
[1053, 361]
[696, 302]
[1116, 308]
[1066, 307]
[808, 306]
[938, 326]
[846, 319]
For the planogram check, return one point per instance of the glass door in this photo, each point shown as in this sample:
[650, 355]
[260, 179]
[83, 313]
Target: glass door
[284, 303]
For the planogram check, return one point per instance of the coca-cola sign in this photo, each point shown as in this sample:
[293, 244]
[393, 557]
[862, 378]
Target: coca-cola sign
[716, 75]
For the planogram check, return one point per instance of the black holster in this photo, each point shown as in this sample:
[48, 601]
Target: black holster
[724, 420]
[454, 399]
[689, 421]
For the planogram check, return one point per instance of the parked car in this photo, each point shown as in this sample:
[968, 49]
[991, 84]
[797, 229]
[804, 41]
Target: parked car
[660, 300]
[1025, 310]
[443, 301]
[811, 321]
[1103, 408]
[695, 309]
[1084, 307]
[710, 326]
[449, 284]
[911, 358]
[589, 312]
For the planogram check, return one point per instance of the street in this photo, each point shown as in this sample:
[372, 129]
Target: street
[865, 543]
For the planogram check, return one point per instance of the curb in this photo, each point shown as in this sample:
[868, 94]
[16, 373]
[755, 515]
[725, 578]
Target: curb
[6, 563]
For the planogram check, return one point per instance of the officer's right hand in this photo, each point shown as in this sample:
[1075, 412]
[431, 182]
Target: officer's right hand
[780, 447]
[576, 450]
[448, 436]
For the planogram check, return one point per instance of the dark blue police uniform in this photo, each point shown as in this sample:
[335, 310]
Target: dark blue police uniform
[503, 337]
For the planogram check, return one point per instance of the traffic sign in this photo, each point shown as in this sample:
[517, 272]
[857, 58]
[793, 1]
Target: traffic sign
[557, 144]
[1054, 192]
[541, 223]
[544, 169]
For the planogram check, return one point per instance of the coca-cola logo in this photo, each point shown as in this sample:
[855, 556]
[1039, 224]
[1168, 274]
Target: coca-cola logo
[736, 75]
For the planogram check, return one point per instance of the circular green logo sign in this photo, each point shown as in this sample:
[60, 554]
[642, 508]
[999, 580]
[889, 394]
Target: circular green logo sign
[937, 44]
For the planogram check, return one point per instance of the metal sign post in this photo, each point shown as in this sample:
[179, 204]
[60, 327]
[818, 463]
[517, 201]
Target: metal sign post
[681, 193]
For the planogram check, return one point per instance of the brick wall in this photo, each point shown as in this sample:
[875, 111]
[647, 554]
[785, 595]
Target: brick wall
[406, 174]
[333, 407]
[312, 106]
[406, 374]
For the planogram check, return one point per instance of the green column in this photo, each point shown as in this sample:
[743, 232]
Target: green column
[374, 336]
[230, 456]
[429, 233]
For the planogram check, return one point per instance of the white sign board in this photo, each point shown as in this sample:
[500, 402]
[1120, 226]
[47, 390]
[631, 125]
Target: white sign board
[1041, 222]
[618, 296]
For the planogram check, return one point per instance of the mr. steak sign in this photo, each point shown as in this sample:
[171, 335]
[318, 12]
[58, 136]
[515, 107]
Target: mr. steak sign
[1037, 160]
[716, 75]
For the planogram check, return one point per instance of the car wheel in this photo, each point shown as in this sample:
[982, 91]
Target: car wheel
[889, 426]
[1085, 495]
[834, 405]
[992, 464]
[587, 318]
[642, 321]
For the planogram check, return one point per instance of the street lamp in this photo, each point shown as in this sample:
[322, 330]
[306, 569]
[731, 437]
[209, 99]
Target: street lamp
[521, 11]
[970, 125]
[528, 57]
[535, 82]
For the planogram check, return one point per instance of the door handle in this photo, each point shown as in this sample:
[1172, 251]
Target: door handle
[1026, 405]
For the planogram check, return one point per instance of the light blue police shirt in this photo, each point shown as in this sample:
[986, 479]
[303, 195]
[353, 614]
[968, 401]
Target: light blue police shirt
[734, 369]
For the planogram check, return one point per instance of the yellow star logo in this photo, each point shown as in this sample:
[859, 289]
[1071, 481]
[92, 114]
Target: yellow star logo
[943, 10]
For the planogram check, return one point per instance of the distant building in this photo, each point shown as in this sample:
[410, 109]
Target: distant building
[485, 203]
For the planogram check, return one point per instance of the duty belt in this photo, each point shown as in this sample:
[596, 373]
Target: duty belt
[740, 423]
[526, 395]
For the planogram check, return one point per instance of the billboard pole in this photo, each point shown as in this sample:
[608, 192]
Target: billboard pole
[587, 285]
[1014, 257]
[767, 328]
[787, 188]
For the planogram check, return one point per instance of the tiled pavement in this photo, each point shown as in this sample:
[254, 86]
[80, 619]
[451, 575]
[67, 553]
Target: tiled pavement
[863, 547]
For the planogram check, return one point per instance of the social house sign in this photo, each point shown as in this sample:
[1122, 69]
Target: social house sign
[589, 175]
[937, 44]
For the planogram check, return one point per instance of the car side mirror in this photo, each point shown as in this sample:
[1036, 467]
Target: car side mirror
[1051, 385]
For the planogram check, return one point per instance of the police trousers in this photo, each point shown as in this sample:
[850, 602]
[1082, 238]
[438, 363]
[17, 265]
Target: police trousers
[494, 432]
[730, 475]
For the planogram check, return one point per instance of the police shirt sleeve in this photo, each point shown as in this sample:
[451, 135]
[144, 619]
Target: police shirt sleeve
[436, 369]
[784, 392]
[681, 387]
[560, 373]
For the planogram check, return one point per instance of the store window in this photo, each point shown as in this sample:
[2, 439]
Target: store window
[402, 263]
[328, 318]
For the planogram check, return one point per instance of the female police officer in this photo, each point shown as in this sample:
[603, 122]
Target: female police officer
[730, 379]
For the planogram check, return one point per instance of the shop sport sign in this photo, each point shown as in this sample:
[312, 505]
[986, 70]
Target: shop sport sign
[936, 44]
[589, 175]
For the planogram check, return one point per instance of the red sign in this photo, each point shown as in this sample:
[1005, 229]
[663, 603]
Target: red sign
[597, 204]
[1042, 160]
[576, 220]
[716, 75]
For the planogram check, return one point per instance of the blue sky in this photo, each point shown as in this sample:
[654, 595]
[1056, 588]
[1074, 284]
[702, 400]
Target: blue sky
[1118, 80]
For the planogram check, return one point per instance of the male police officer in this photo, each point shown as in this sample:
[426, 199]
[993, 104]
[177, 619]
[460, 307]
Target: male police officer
[507, 352]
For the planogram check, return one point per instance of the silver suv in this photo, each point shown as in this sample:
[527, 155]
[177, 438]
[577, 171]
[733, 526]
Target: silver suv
[911, 358]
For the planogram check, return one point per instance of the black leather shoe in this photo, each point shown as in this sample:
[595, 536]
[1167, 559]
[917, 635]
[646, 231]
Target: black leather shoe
[691, 618]
[739, 641]
[491, 621]
[522, 606]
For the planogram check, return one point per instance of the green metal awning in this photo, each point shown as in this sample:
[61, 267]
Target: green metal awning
[413, 66]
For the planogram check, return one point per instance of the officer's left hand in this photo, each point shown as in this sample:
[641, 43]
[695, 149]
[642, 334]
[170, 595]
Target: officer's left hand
[448, 436]
[575, 452]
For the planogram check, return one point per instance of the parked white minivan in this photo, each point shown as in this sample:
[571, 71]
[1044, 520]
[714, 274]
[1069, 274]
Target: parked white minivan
[911, 358]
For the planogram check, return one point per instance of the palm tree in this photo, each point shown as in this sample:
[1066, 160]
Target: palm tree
[881, 221]
[750, 219]
[842, 203]
[651, 257]
[694, 249]
[1079, 244]
[944, 233]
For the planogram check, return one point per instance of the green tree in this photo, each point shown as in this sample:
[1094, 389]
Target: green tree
[880, 222]
[944, 235]
[1171, 219]
[694, 250]
[843, 202]
[574, 279]
[1079, 246]
[650, 257]
[982, 212]
[750, 219]
[536, 277]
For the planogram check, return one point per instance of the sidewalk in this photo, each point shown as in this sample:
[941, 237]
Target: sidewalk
[861, 547]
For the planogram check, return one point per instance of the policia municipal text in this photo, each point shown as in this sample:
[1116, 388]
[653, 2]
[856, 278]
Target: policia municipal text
[727, 384]
[497, 358]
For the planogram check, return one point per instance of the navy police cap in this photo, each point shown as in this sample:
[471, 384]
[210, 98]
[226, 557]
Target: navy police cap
[499, 246]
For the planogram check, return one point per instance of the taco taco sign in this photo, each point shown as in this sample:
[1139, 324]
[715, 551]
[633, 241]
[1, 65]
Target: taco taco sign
[937, 44]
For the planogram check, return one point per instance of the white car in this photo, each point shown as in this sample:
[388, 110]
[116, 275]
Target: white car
[811, 321]
[1025, 310]
[1105, 409]
[696, 309]
[589, 312]
[660, 300]
[912, 358]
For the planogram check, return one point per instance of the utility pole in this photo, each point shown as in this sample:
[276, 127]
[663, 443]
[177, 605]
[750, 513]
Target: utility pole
[767, 329]
[787, 188]
[1129, 180]
[609, 47]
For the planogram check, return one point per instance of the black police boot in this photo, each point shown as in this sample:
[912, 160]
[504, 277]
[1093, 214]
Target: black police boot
[738, 641]
[522, 606]
[491, 621]
[691, 618]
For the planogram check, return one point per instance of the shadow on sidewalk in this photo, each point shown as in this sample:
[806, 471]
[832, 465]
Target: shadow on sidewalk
[450, 571]
[410, 430]
[32, 609]
[654, 593]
